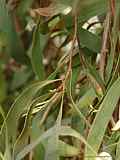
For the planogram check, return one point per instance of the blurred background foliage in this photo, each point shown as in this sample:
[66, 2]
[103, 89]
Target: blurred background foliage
[59, 79]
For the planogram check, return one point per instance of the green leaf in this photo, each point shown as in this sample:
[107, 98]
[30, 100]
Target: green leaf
[91, 8]
[95, 77]
[88, 9]
[114, 42]
[35, 132]
[51, 149]
[89, 40]
[22, 104]
[3, 86]
[53, 141]
[2, 141]
[37, 53]
[62, 131]
[24, 6]
[14, 46]
[20, 78]
[3, 40]
[87, 99]
[118, 150]
[66, 150]
[7, 153]
[102, 118]
[31, 146]
[1, 156]
[68, 131]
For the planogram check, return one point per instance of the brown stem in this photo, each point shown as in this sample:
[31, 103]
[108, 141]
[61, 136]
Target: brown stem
[112, 7]
[44, 3]
[55, 98]
[104, 49]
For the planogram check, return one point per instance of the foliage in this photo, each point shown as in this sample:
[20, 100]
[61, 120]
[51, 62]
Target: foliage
[59, 79]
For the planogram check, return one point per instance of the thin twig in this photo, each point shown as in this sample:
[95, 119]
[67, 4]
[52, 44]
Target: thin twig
[104, 49]
[112, 7]
[72, 48]
[45, 115]
[81, 55]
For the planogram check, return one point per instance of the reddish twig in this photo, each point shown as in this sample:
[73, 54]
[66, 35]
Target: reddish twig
[112, 7]
[104, 49]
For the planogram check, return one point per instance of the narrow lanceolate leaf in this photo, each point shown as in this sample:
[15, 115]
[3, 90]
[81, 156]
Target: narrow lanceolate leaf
[62, 131]
[51, 152]
[1, 156]
[2, 86]
[118, 150]
[14, 46]
[24, 6]
[88, 8]
[91, 8]
[114, 40]
[53, 141]
[31, 146]
[37, 53]
[66, 150]
[4, 139]
[102, 118]
[21, 104]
